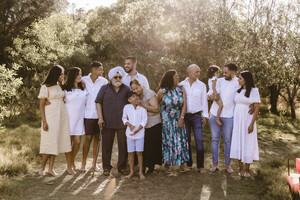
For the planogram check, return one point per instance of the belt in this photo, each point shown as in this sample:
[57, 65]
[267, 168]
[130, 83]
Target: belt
[193, 114]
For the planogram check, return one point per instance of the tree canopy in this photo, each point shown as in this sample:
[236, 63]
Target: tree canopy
[260, 36]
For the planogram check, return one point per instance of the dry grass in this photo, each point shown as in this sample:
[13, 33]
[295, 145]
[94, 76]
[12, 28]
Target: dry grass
[278, 140]
[18, 150]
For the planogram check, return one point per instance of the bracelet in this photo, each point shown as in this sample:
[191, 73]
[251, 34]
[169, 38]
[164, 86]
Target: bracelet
[181, 117]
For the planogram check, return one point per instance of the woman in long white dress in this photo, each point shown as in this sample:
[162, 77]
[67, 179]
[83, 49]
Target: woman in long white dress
[75, 100]
[55, 136]
[244, 145]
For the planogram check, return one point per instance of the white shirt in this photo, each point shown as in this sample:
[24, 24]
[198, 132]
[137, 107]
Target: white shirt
[196, 97]
[92, 89]
[227, 93]
[143, 80]
[135, 117]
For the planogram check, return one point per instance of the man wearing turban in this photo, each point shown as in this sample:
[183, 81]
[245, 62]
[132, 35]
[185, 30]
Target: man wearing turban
[110, 102]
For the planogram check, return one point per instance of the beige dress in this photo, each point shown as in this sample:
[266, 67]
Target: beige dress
[57, 139]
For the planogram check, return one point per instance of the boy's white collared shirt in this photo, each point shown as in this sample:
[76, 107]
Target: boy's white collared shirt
[135, 117]
[92, 89]
[196, 97]
[228, 89]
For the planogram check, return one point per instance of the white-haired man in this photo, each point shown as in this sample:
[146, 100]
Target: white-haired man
[110, 102]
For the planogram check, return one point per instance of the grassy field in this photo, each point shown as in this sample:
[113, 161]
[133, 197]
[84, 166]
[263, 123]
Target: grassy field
[278, 141]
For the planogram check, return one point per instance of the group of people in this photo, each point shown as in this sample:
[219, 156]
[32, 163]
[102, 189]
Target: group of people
[155, 128]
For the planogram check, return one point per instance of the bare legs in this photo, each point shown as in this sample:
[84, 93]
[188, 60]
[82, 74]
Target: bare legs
[75, 148]
[131, 163]
[247, 172]
[220, 103]
[241, 171]
[140, 162]
[69, 163]
[51, 159]
[86, 149]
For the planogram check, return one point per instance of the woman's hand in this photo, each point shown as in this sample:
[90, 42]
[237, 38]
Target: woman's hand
[180, 123]
[138, 102]
[250, 128]
[45, 126]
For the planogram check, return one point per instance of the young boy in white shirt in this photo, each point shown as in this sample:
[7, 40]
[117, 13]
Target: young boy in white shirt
[135, 118]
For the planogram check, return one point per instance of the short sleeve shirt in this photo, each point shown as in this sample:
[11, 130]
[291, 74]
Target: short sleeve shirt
[112, 105]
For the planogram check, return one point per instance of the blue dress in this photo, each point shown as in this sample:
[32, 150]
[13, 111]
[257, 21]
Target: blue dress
[174, 140]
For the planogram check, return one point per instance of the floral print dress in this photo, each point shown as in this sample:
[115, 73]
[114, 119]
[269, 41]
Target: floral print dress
[174, 140]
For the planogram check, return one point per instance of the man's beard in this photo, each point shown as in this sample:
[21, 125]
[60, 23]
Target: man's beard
[128, 70]
[228, 78]
[116, 83]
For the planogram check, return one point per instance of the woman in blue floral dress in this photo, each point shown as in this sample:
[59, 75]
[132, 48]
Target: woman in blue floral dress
[173, 108]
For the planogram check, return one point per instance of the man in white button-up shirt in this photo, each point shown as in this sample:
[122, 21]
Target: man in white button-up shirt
[93, 83]
[197, 113]
[229, 85]
[132, 73]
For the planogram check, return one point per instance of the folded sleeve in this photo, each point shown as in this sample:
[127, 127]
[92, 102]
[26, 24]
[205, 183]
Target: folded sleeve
[254, 96]
[144, 117]
[43, 92]
[124, 116]
[204, 102]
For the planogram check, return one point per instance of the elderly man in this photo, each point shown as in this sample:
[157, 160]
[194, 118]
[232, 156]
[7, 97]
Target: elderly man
[110, 102]
[197, 113]
[132, 73]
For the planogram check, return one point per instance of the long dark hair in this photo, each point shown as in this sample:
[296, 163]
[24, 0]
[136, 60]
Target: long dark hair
[53, 76]
[72, 74]
[247, 76]
[212, 70]
[167, 80]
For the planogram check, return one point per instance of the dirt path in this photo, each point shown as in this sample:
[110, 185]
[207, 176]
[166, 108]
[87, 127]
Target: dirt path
[189, 185]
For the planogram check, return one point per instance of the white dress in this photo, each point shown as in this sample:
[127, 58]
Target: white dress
[244, 145]
[75, 101]
[210, 88]
[57, 139]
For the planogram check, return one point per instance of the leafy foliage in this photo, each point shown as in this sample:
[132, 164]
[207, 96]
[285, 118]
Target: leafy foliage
[262, 37]
[8, 89]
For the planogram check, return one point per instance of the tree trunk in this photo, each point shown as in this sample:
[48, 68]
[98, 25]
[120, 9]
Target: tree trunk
[291, 95]
[293, 110]
[274, 91]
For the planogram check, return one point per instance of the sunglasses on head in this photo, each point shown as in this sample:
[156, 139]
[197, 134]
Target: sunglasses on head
[117, 77]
